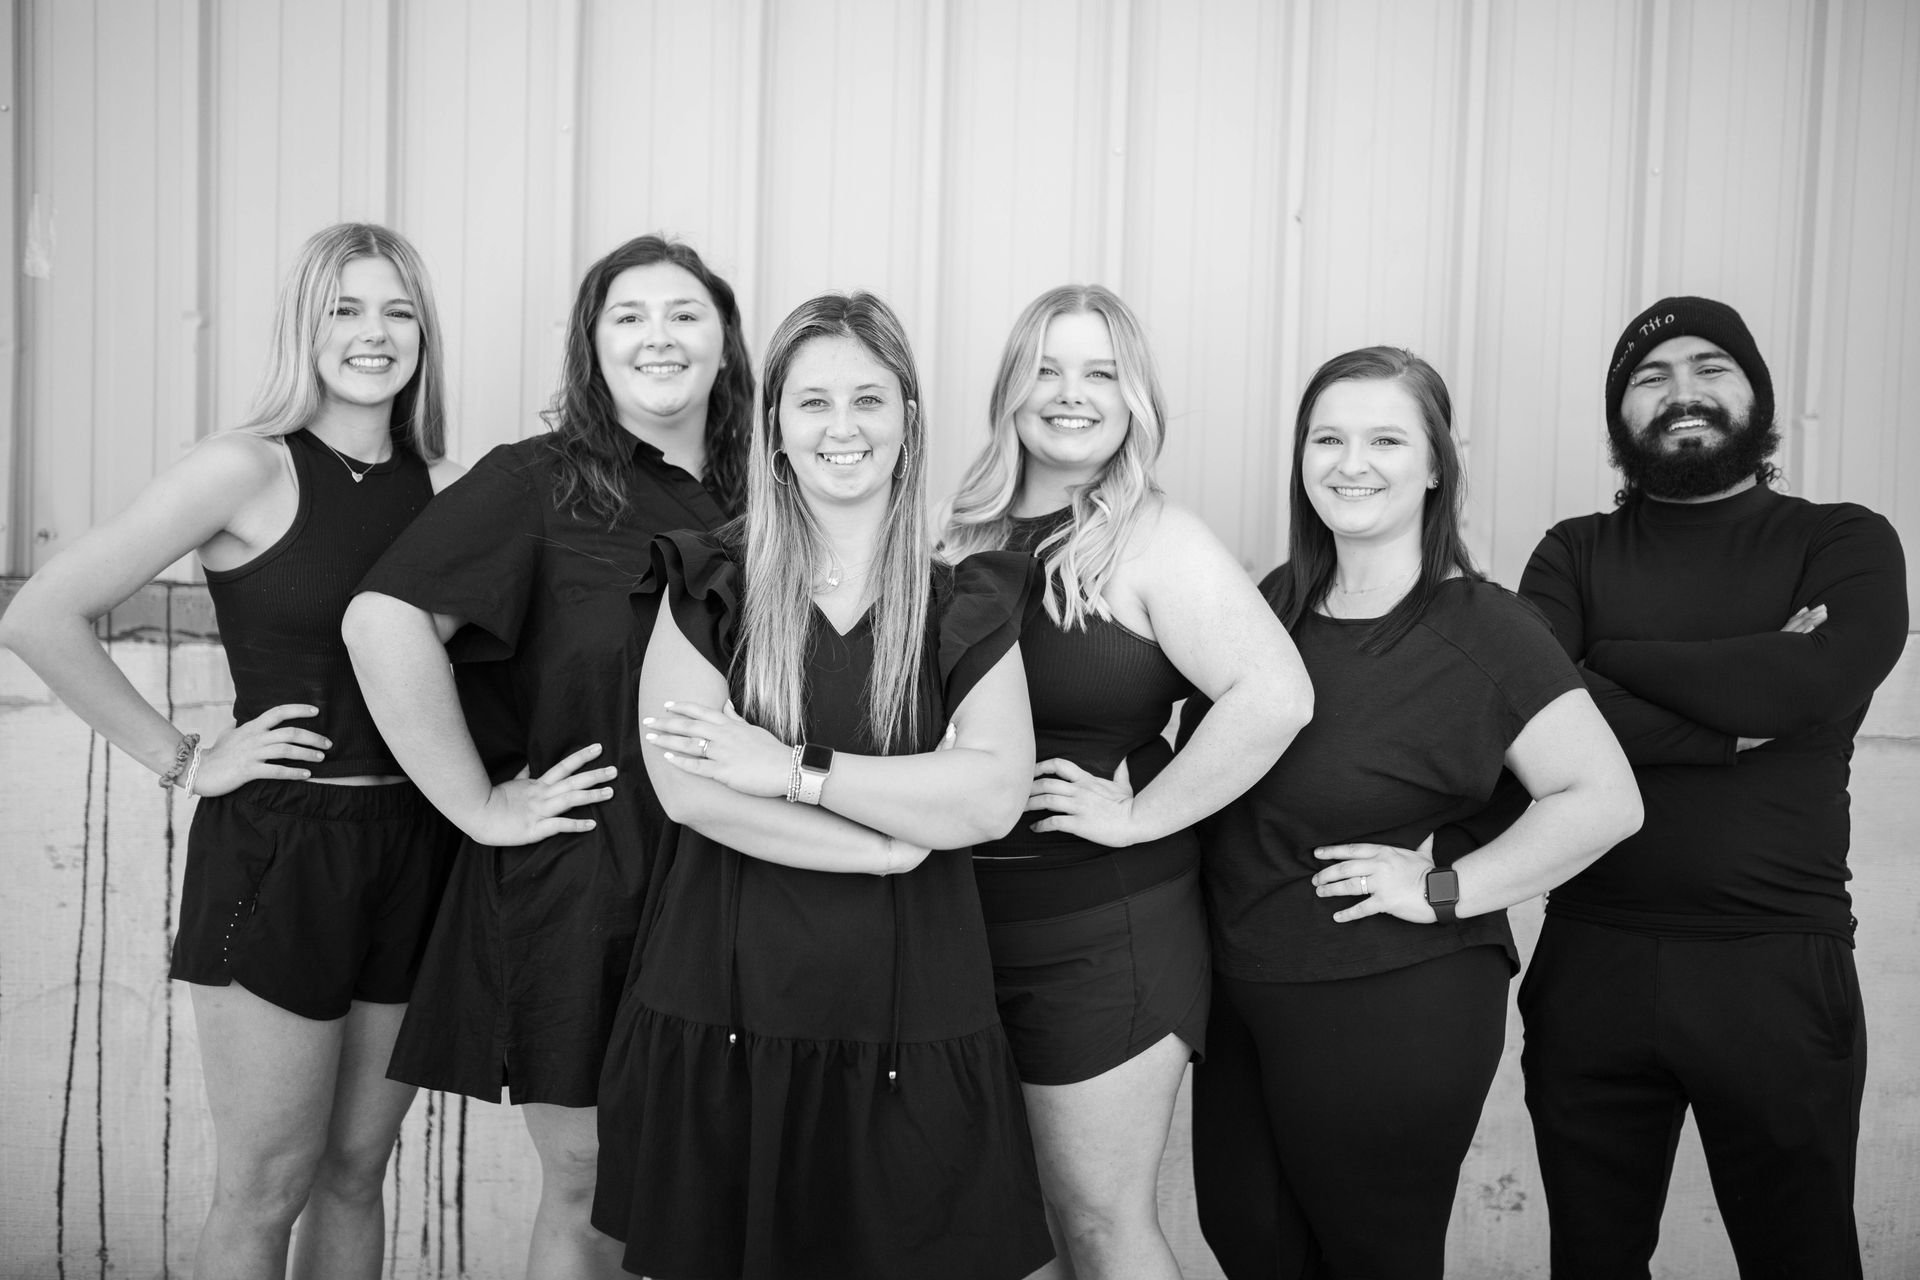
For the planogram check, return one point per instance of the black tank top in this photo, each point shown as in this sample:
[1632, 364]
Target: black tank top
[280, 612]
[1100, 695]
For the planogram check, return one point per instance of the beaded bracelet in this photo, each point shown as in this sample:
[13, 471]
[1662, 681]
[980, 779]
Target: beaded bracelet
[793, 775]
[188, 752]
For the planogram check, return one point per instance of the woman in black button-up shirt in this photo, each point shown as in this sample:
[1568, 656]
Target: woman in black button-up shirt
[521, 572]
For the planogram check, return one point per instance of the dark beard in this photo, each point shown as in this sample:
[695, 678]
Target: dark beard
[1691, 471]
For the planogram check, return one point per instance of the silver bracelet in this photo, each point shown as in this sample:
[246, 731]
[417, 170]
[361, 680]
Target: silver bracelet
[793, 775]
[193, 769]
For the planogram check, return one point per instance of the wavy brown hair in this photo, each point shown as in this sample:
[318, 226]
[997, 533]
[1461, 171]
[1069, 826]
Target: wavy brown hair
[594, 449]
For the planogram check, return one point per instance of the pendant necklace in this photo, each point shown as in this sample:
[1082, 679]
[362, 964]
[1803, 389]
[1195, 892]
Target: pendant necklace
[831, 580]
[358, 476]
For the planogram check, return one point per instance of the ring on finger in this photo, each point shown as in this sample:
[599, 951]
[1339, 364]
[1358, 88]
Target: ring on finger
[701, 743]
[1363, 886]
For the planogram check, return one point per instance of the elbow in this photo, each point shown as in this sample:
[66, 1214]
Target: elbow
[1621, 812]
[360, 627]
[993, 813]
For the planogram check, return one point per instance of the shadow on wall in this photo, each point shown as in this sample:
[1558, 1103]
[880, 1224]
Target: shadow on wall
[108, 1154]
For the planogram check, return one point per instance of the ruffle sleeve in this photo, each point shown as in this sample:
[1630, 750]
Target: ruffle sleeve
[705, 582]
[982, 608]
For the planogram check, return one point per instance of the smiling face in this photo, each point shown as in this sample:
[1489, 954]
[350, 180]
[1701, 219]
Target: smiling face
[659, 340]
[369, 346]
[1686, 429]
[842, 422]
[1686, 395]
[1366, 462]
[1074, 419]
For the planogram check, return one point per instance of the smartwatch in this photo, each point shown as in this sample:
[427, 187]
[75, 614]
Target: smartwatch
[1443, 890]
[816, 762]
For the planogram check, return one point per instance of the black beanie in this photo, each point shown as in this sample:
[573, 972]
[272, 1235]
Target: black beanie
[1717, 322]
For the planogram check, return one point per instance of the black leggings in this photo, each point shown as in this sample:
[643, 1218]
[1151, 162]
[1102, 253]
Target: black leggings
[1330, 1118]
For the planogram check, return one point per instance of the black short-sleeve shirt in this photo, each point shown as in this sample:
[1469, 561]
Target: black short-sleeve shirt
[1400, 743]
[523, 971]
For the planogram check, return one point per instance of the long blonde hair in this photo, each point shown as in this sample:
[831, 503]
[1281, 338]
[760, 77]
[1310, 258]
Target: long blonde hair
[291, 393]
[1081, 557]
[787, 552]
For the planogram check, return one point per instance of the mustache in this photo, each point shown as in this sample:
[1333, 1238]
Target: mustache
[1711, 414]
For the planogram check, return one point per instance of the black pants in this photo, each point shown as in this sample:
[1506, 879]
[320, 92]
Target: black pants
[1330, 1118]
[1762, 1036]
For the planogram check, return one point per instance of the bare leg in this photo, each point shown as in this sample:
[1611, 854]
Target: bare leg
[565, 1246]
[1099, 1144]
[343, 1231]
[270, 1082]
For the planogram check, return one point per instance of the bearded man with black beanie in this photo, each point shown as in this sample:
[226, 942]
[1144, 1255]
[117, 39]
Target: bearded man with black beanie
[1733, 637]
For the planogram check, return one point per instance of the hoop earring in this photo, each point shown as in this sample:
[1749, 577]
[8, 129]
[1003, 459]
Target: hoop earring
[904, 467]
[773, 465]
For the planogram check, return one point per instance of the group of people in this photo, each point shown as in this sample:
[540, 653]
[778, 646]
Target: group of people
[812, 865]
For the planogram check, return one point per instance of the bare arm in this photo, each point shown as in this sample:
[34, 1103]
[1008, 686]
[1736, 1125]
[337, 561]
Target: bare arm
[1214, 627]
[945, 799]
[50, 622]
[400, 659]
[1585, 801]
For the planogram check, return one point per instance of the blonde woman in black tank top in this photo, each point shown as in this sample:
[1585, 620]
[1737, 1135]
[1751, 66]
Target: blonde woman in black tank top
[296, 996]
[1100, 877]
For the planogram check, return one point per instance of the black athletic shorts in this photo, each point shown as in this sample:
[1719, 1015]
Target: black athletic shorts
[1083, 992]
[312, 896]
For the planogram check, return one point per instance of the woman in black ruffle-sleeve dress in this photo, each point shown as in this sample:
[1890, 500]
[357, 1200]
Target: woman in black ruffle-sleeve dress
[807, 1075]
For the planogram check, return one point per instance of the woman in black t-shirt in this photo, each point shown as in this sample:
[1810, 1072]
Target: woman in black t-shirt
[1359, 1036]
[520, 575]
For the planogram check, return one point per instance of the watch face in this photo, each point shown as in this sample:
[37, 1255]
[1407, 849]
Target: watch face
[1443, 886]
[816, 758]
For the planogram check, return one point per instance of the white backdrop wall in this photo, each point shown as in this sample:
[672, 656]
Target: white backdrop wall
[1499, 184]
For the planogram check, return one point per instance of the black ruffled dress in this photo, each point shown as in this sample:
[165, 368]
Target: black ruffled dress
[807, 1076]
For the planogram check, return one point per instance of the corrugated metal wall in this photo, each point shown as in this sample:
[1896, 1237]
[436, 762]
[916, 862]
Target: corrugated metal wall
[1496, 183]
[1499, 184]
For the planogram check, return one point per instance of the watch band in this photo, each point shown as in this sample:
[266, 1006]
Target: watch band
[1442, 889]
[816, 762]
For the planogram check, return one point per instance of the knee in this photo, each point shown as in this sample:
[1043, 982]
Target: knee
[265, 1189]
[567, 1173]
[356, 1174]
[1096, 1226]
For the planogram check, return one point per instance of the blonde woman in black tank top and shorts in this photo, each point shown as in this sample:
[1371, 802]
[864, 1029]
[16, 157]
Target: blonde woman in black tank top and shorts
[313, 866]
[1093, 909]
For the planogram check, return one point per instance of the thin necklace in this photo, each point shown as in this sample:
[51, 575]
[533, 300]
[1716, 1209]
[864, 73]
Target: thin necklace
[831, 580]
[358, 476]
[1385, 586]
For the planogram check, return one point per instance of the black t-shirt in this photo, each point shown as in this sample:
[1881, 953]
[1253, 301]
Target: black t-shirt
[1400, 744]
[1675, 611]
[549, 656]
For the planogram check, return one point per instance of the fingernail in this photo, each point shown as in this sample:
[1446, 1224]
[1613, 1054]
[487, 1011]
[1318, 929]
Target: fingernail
[646, 719]
[653, 737]
[666, 704]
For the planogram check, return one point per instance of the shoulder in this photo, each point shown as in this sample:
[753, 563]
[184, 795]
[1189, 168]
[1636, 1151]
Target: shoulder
[1491, 625]
[1168, 532]
[1580, 530]
[236, 458]
[1843, 518]
[443, 473]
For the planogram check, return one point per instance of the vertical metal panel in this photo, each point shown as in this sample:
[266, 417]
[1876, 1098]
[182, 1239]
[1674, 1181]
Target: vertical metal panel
[1871, 335]
[1206, 196]
[13, 500]
[1024, 192]
[1556, 242]
[485, 134]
